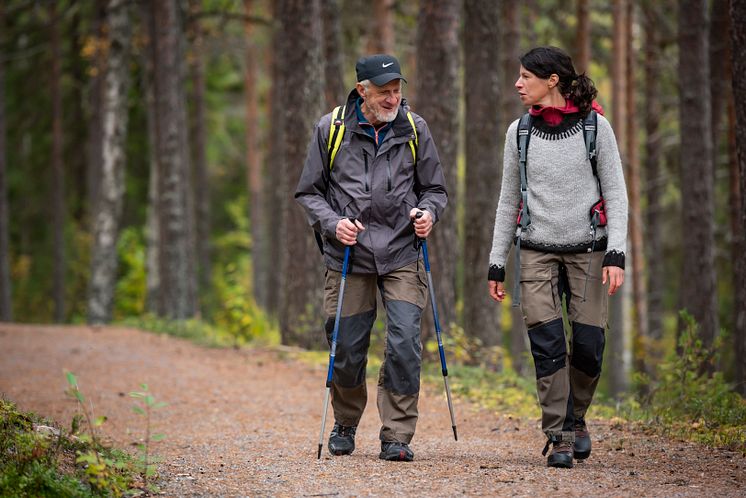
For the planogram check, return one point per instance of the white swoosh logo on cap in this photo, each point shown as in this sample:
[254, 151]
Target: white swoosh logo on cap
[387, 65]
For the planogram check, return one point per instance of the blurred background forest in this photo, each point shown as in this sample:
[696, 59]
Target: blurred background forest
[149, 152]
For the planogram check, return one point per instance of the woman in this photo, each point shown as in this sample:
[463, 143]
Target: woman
[568, 215]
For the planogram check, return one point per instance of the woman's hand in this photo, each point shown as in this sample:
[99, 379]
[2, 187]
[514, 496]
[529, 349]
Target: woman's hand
[497, 290]
[615, 276]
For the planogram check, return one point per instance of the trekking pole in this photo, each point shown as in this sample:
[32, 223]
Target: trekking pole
[333, 351]
[443, 367]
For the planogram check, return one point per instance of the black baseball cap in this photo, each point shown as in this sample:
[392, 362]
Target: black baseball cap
[379, 69]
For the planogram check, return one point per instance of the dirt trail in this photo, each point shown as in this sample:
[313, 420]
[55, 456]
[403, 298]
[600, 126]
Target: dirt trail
[245, 423]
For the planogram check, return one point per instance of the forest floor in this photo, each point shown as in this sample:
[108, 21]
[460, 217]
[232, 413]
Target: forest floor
[246, 423]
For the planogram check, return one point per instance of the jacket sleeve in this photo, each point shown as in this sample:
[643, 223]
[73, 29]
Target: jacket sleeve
[430, 184]
[312, 189]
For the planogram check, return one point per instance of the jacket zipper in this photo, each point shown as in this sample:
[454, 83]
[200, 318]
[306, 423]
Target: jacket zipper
[365, 157]
[388, 164]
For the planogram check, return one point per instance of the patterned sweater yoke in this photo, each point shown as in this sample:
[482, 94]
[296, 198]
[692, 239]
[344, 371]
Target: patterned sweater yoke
[561, 191]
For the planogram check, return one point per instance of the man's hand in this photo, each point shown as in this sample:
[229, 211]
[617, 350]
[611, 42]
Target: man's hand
[615, 276]
[422, 225]
[347, 231]
[497, 290]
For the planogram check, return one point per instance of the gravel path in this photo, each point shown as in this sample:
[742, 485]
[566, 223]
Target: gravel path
[246, 422]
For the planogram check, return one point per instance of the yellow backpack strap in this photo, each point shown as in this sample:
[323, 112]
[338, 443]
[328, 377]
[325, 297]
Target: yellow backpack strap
[413, 144]
[336, 133]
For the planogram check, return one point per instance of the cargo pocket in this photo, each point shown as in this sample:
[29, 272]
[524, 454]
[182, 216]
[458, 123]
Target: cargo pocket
[538, 295]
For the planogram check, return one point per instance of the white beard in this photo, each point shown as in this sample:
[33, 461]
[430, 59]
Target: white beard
[384, 116]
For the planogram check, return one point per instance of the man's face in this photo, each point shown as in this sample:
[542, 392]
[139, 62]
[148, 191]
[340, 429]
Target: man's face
[382, 101]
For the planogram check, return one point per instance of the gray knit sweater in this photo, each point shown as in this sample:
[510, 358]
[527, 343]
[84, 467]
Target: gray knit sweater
[561, 191]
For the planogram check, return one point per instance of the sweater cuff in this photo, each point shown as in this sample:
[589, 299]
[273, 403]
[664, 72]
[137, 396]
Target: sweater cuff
[496, 273]
[614, 258]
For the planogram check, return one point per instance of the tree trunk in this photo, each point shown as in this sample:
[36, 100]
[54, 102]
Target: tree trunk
[58, 173]
[482, 83]
[582, 37]
[200, 170]
[6, 308]
[152, 225]
[277, 192]
[109, 211]
[616, 355]
[700, 298]
[94, 136]
[254, 175]
[437, 101]
[301, 270]
[178, 279]
[654, 181]
[639, 287]
[738, 37]
[335, 91]
[381, 38]
[511, 109]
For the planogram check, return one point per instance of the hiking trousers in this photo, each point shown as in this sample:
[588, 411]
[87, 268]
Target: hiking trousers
[404, 295]
[566, 378]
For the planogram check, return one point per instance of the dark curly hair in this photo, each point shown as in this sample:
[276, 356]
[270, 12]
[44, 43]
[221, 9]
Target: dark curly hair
[546, 61]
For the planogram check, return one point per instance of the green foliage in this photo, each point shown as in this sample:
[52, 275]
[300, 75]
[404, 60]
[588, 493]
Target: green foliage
[689, 401]
[131, 285]
[36, 462]
[145, 406]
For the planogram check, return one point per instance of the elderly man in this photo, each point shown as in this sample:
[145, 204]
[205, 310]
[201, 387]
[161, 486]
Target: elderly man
[371, 167]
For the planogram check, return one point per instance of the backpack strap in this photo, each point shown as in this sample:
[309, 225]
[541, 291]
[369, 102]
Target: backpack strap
[590, 126]
[413, 144]
[524, 218]
[336, 133]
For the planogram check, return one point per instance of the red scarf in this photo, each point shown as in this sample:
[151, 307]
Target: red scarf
[553, 115]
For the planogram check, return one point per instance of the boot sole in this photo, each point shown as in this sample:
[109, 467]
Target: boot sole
[562, 464]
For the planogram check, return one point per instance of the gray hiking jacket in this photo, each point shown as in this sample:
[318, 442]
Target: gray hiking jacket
[378, 187]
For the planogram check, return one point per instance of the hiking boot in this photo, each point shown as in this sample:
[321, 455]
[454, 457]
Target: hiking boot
[582, 446]
[395, 451]
[342, 440]
[561, 455]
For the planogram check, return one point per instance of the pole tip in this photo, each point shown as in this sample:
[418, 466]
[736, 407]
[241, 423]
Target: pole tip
[318, 457]
[455, 434]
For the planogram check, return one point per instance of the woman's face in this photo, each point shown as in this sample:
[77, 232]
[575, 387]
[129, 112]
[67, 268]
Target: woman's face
[532, 89]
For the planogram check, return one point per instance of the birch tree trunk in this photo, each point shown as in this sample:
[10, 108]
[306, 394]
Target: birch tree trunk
[482, 83]
[109, 211]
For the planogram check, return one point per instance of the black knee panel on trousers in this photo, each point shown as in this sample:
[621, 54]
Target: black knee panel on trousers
[548, 347]
[587, 348]
[353, 339]
[401, 371]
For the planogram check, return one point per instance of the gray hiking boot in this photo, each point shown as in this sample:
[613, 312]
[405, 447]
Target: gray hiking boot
[582, 446]
[395, 451]
[342, 440]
